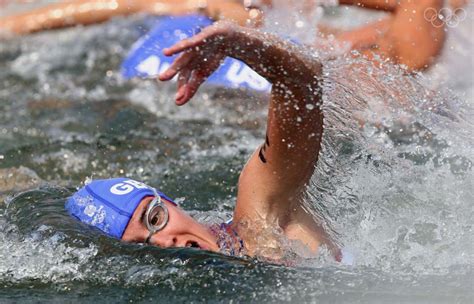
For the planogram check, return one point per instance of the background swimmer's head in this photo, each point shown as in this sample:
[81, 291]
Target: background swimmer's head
[117, 207]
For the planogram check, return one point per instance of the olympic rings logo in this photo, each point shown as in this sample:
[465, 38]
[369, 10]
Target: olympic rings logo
[447, 16]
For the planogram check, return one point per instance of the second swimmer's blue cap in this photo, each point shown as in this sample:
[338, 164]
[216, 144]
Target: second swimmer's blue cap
[146, 58]
[109, 204]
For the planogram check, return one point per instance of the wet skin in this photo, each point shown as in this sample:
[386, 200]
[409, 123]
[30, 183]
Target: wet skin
[272, 182]
[70, 13]
[180, 231]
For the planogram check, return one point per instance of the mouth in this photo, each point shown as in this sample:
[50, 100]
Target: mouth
[193, 244]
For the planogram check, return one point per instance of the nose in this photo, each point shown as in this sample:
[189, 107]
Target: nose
[163, 241]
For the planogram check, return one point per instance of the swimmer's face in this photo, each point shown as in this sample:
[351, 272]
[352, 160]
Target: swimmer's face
[180, 231]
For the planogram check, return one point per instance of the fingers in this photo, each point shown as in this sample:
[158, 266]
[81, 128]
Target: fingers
[181, 62]
[206, 36]
[181, 98]
[183, 79]
[189, 89]
[186, 44]
[189, 79]
[194, 64]
[193, 85]
[192, 76]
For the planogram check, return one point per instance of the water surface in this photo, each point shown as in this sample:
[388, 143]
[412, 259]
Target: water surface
[396, 190]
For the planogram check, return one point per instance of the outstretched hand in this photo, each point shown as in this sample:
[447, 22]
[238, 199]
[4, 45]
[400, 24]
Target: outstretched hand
[199, 57]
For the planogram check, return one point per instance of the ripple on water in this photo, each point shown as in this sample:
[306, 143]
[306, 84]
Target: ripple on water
[394, 181]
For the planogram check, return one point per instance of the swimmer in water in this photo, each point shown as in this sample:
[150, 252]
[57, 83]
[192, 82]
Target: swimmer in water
[411, 34]
[406, 36]
[272, 184]
[84, 12]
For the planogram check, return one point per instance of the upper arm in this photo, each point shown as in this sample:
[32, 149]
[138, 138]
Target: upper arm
[280, 168]
[69, 13]
[413, 40]
[406, 37]
[365, 37]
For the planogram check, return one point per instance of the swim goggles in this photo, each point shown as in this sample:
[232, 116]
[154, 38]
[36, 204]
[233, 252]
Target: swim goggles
[156, 216]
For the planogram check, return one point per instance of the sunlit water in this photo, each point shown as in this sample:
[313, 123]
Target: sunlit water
[394, 183]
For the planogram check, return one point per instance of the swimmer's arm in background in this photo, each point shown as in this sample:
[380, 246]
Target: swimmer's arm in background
[366, 37]
[391, 5]
[70, 13]
[405, 37]
[67, 13]
[385, 5]
[271, 183]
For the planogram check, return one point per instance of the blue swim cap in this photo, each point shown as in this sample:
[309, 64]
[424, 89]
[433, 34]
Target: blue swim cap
[146, 59]
[109, 204]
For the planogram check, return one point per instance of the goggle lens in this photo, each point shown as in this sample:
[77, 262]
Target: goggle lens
[157, 217]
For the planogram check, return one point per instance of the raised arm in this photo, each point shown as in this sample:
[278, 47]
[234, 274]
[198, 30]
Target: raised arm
[272, 181]
[294, 110]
